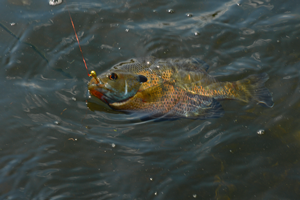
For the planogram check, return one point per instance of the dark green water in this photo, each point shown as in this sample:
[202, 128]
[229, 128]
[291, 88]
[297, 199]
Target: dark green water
[54, 146]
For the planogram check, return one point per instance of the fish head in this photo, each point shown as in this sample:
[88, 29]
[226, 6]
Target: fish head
[115, 86]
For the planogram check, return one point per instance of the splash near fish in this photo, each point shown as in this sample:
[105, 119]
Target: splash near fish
[173, 88]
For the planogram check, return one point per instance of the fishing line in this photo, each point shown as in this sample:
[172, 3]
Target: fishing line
[93, 73]
[26, 43]
[79, 45]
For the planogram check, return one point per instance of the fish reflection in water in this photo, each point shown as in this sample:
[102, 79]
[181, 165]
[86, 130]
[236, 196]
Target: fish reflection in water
[173, 88]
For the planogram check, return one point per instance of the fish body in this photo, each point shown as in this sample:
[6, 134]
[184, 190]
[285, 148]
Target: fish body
[173, 88]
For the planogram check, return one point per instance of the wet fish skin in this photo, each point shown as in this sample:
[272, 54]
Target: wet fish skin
[173, 88]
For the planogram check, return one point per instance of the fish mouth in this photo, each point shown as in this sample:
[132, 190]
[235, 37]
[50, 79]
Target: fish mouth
[99, 95]
[97, 88]
[94, 90]
[94, 86]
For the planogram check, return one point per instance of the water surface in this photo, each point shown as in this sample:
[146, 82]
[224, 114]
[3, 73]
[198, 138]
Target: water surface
[56, 146]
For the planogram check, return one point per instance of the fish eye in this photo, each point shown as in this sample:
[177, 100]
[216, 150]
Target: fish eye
[113, 76]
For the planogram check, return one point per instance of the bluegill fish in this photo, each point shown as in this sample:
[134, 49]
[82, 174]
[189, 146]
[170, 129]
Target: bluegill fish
[173, 88]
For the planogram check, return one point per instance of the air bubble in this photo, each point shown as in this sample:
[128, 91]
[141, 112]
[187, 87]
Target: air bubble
[261, 132]
[54, 2]
[171, 11]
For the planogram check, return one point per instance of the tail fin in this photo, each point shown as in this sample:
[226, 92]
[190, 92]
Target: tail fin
[254, 88]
